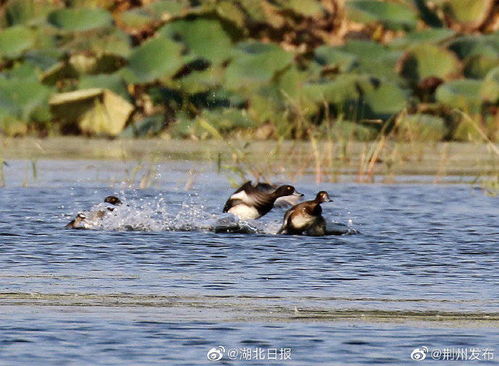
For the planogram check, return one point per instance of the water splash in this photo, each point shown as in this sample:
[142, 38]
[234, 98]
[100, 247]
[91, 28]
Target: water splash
[189, 215]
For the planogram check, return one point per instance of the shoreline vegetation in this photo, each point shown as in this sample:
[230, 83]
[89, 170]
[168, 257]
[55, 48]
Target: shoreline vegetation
[381, 161]
[314, 70]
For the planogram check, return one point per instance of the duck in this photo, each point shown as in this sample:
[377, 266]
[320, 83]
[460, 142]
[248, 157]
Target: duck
[284, 201]
[83, 221]
[115, 201]
[252, 201]
[306, 217]
[78, 222]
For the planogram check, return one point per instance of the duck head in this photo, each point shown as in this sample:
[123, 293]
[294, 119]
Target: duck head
[322, 196]
[113, 200]
[284, 190]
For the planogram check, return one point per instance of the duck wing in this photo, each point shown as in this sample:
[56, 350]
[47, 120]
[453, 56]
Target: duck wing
[239, 196]
[265, 187]
[285, 222]
[251, 195]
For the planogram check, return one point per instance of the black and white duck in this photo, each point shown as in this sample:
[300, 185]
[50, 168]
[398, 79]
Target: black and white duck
[252, 201]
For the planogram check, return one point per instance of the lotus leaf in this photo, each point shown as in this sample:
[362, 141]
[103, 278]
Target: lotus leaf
[384, 101]
[80, 19]
[463, 94]
[20, 97]
[479, 53]
[432, 35]
[467, 46]
[43, 59]
[478, 66]
[255, 9]
[490, 86]
[259, 107]
[167, 8]
[334, 57]
[112, 42]
[202, 81]
[308, 8]
[58, 72]
[27, 12]
[155, 59]
[146, 127]
[136, 18]
[373, 58]
[231, 12]
[14, 41]
[113, 82]
[336, 91]
[426, 60]
[392, 15]
[254, 64]
[22, 70]
[469, 13]
[96, 111]
[203, 37]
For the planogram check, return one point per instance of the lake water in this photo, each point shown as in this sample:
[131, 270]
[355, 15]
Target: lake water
[421, 272]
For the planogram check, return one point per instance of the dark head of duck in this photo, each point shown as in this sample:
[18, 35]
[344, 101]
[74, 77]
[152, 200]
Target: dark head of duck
[113, 200]
[284, 190]
[322, 196]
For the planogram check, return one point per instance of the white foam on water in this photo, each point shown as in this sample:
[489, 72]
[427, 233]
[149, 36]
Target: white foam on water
[158, 214]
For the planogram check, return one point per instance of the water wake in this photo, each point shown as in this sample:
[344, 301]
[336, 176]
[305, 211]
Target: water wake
[190, 215]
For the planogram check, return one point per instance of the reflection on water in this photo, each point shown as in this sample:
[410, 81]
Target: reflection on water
[425, 254]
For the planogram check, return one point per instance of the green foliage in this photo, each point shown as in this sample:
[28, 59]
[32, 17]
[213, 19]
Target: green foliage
[19, 98]
[336, 58]
[384, 101]
[15, 40]
[421, 127]
[155, 59]
[432, 35]
[202, 81]
[220, 66]
[425, 60]
[146, 127]
[306, 8]
[202, 37]
[468, 13]
[372, 58]
[26, 12]
[113, 82]
[390, 14]
[480, 54]
[254, 64]
[490, 87]
[348, 130]
[94, 111]
[463, 94]
[80, 19]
